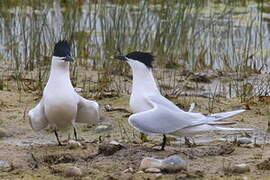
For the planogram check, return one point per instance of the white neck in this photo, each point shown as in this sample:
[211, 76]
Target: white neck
[59, 71]
[143, 80]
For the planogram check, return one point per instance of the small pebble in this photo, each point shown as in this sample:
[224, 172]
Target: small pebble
[156, 148]
[4, 165]
[140, 172]
[103, 128]
[72, 172]
[170, 164]
[108, 107]
[131, 170]
[73, 144]
[244, 141]
[113, 142]
[150, 163]
[152, 170]
[174, 164]
[240, 168]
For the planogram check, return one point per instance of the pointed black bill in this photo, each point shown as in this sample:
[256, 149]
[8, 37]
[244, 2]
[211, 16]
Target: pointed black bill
[68, 58]
[122, 58]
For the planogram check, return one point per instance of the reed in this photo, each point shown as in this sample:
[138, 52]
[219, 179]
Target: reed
[191, 36]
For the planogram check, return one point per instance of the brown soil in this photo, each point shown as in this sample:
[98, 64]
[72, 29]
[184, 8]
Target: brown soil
[37, 155]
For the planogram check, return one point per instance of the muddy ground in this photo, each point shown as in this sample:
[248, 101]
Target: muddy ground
[33, 155]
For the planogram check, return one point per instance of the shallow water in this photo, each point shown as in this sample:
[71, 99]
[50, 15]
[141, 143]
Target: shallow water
[204, 34]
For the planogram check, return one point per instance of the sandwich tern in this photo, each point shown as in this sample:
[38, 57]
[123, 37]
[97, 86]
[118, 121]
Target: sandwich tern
[154, 114]
[60, 106]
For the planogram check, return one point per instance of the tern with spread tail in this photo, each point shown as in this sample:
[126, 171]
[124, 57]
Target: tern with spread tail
[154, 114]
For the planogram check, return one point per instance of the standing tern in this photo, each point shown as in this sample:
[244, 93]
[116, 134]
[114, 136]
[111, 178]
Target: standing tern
[154, 114]
[60, 106]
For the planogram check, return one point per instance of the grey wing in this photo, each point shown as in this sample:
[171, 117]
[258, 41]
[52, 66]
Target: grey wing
[88, 111]
[164, 117]
[160, 100]
[37, 117]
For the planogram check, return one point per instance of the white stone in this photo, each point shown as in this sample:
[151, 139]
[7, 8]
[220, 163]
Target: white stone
[4, 164]
[116, 143]
[108, 107]
[173, 164]
[240, 168]
[150, 163]
[244, 140]
[170, 164]
[152, 170]
[72, 172]
[103, 128]
[131, 170]
[73, 144]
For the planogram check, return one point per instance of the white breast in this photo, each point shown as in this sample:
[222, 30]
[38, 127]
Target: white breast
[60, 107]
[143, 85]
[138, 103]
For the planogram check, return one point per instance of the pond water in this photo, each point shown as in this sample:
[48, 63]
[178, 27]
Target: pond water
[226, 35]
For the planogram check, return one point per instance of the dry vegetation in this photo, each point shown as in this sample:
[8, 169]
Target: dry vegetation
[208, 52]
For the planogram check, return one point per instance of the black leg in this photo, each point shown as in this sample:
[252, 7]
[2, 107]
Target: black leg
[75, 133]
[56, 135]
[163, 142]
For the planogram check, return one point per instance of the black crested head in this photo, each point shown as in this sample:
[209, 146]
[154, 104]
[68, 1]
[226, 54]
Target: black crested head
[143, 57]
[61, 49]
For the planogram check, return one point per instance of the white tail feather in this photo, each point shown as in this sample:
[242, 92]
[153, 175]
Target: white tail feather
[221, 123]
[233, 129]
[223, 115]
[192, 106]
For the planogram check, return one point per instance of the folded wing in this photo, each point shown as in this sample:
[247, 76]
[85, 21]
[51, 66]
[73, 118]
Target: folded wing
[88, 111]
[37, 117]
[165, 117]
